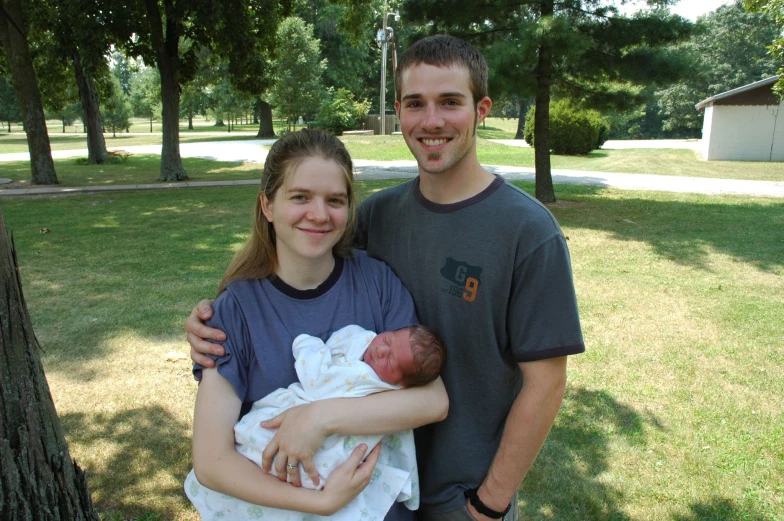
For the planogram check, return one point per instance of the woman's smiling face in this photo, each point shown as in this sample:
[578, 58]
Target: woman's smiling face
[309, 211]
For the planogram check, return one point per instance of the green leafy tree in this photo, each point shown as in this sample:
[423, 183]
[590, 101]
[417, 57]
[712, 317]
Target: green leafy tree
[340, 111]
[13, 36]
[298, 69]
[9, 105]
[117, 109]
[68, 39]
[122, 70]
[146, 94]
[575, 49]
[353, 57]
[727, 51]
[169, 34]
[775, 10]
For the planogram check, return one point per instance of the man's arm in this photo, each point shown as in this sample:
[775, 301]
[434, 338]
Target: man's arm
[527, 426]
[197, 333]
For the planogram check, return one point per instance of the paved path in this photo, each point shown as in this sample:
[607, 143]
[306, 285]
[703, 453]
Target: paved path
[615, 144]
[247, 151]
[251, 151]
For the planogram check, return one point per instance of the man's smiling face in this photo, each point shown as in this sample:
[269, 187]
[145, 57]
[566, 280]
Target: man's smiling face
[438, 117]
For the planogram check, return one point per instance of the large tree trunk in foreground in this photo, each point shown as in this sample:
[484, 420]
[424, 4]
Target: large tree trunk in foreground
[96, 145]
[26, 86]
[265, 120]
[39, 481]
[544, 72]
[167, 56]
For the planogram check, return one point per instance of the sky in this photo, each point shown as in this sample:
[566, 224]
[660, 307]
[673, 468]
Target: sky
[690, 9]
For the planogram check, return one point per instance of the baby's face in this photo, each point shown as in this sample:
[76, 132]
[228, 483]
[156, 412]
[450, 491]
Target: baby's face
[389, 355]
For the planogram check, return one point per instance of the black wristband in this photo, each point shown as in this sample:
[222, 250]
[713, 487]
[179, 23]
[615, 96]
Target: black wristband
[483, 509]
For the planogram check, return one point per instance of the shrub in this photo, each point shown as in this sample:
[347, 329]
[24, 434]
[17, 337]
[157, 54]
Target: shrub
[573, 130]
[340, 111]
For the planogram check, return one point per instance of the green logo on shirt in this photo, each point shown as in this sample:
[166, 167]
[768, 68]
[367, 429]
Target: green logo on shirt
[463, 278]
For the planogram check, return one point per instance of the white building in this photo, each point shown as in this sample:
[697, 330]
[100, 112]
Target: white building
[744, 124]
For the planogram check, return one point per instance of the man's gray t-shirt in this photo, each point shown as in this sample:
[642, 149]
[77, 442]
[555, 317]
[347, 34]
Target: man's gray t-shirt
[492, 276]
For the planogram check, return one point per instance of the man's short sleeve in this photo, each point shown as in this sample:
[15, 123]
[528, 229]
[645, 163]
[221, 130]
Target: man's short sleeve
[543, 318]
[361, 224]
[235, 363]
[398, 306]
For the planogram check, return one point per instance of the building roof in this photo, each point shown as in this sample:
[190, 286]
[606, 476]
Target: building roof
[751, 86]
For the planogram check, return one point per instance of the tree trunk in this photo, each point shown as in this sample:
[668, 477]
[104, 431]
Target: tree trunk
[265, 120]
[96, 145]
[190, 121]
[39, 480]
[521, 118]
[544, 71]
[167, 56]
[26, 86]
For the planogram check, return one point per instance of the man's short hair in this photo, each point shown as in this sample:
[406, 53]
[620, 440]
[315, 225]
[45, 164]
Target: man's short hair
[442, 50]
[429, 356]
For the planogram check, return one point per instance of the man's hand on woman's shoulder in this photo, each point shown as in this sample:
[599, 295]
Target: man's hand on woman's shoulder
[197, 334]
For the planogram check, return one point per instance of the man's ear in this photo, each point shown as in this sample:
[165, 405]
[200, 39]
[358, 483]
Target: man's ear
[397, 108]
[483, 109]
[266, 206]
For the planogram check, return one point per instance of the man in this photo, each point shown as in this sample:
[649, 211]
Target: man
[489, 271]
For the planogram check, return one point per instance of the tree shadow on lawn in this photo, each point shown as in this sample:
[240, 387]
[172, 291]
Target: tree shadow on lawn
[145, 466]
[687, 230]
[564, 482]
[720, 509]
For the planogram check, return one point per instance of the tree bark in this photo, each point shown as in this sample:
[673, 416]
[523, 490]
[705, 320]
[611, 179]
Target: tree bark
[88, 95]
[265, 120]
[167, 56]
[524, 104]
[190, 121]
[39, 480]
[544, 72]
[26, 87]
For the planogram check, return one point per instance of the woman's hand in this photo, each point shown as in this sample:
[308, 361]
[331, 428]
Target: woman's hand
[197, 333]
[350, 478]
[299, 436]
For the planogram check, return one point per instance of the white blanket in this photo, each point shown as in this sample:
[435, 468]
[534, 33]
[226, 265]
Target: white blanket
[331, 370]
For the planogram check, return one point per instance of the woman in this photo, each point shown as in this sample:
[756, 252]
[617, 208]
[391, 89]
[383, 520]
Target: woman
[296, 274]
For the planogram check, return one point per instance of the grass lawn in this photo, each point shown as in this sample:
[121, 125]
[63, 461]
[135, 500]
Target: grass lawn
[14, 143]
[633, 161]
[139, 169]
[673, 413]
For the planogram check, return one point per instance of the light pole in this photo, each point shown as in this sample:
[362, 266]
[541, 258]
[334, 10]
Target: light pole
[383, 37]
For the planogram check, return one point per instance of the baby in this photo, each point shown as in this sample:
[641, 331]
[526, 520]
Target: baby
[354, 362]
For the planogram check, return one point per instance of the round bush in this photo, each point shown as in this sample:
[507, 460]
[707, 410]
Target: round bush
[573, 130]
[340, 111]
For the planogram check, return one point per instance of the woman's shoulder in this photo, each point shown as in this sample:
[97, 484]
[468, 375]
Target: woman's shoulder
[238, 291]
[360, 260]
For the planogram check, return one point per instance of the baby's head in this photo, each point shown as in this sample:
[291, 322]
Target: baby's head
[409, 356]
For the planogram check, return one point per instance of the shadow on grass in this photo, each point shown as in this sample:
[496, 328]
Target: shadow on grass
[720, 509]
[564, 482]
[685, 231]
[148, 457]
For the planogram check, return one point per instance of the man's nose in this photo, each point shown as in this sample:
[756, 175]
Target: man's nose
[432, 119]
